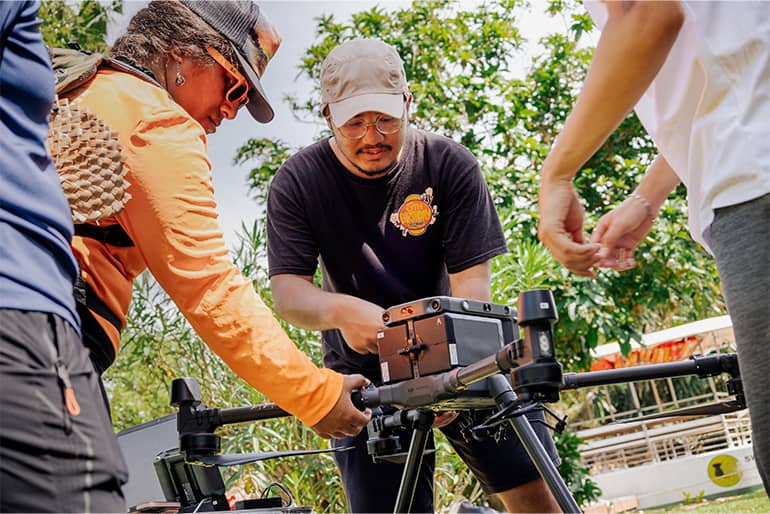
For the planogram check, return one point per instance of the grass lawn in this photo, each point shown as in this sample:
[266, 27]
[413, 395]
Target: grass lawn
[754, 501]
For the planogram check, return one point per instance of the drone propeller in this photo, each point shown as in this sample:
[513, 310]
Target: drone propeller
[246, 458]
[706, 409]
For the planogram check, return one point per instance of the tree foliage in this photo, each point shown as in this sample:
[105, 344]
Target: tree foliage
[84, 23]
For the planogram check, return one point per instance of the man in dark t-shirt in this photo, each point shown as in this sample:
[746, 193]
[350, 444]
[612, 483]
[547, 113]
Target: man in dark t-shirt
[393, 214]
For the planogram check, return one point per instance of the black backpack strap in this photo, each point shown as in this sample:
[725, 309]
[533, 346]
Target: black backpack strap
[125, 64]
[97, 341]
[86, 296]
[113, 235]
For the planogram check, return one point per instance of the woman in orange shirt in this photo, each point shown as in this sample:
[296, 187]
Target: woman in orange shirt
[201, 62]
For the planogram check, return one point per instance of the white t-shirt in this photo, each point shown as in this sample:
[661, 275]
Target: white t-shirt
[708, 109]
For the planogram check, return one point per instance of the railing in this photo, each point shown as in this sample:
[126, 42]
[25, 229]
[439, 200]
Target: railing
[611, 448]
[713, 395]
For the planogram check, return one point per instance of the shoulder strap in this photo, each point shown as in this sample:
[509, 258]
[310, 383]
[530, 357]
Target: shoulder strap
[123, 64]
[74, 67]
[113, 235]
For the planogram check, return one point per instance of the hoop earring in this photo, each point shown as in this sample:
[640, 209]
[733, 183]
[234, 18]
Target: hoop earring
[179, 77]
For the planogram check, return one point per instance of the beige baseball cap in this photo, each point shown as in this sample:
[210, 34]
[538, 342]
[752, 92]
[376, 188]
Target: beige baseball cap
[363, 75]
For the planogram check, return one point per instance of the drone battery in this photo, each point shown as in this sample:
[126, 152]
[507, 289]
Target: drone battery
[456, 340]
[438, 343]
[392, 343]
[435, 305]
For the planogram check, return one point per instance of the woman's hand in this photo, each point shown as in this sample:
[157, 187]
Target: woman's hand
[345, 419]
[619, 232]
[561, 227]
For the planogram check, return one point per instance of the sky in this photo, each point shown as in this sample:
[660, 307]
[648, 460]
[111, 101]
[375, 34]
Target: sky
[295, 21]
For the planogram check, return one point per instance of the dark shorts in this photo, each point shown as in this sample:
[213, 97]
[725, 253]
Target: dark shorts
[52, 460]
[498, 466]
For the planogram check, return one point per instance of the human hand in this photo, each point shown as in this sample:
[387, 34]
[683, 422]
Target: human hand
[619, 232]
[560, 227]
[344, 419]
[359, 320]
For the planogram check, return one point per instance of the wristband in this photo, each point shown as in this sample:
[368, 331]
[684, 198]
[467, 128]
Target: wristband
[644, 201]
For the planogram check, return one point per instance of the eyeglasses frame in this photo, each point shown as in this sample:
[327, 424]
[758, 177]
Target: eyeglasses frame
[367, 125]
[233, 71]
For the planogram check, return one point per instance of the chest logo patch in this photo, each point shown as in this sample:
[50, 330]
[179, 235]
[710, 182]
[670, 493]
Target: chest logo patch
[416, 214]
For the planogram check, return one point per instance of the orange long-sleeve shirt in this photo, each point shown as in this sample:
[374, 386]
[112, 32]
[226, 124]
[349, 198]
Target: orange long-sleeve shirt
[172, 219]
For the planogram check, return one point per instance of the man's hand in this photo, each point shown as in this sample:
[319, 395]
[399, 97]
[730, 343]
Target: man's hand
[359, 320]
[301, 303]
[619, 232]
[561, 227]
[344, 419]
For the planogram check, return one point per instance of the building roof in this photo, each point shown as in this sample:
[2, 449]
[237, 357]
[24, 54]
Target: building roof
[670, 334]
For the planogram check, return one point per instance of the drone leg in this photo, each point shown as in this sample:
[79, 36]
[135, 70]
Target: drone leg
[504, 396]
[544, 465]
[423, 420]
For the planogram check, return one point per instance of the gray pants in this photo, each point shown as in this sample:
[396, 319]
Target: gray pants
[741, 243]
[53, 459]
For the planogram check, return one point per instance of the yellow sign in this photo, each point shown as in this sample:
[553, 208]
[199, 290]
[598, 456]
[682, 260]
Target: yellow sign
[723, 470]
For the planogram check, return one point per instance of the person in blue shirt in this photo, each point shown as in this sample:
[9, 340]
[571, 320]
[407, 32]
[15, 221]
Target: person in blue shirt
[58, 452]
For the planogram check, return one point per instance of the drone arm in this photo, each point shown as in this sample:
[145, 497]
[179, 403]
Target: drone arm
[251, 413]
[701, 365]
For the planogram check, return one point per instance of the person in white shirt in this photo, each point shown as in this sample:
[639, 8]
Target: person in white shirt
[698, 75]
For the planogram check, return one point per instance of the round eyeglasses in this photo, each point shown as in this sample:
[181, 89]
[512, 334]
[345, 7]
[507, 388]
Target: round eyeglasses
[357, 128]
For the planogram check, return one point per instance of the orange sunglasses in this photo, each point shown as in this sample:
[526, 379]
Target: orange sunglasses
[238, 93]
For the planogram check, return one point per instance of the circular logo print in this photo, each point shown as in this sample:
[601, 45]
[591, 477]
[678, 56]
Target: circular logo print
[415, 215]
[723, 470]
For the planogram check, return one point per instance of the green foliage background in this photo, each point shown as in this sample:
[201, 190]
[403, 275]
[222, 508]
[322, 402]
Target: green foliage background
[458, 58]
[84, 23]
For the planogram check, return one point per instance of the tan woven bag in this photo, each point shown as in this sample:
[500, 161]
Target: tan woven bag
[88, 158]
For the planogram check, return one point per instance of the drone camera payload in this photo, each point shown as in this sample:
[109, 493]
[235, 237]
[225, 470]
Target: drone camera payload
[436, 334]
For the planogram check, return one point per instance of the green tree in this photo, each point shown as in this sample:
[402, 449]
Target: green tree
[84, 23]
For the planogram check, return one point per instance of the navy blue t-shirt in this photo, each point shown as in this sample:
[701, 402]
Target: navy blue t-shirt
[388, 240]
[37, 268]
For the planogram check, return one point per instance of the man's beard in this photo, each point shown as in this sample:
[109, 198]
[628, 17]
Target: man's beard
[375, 173]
